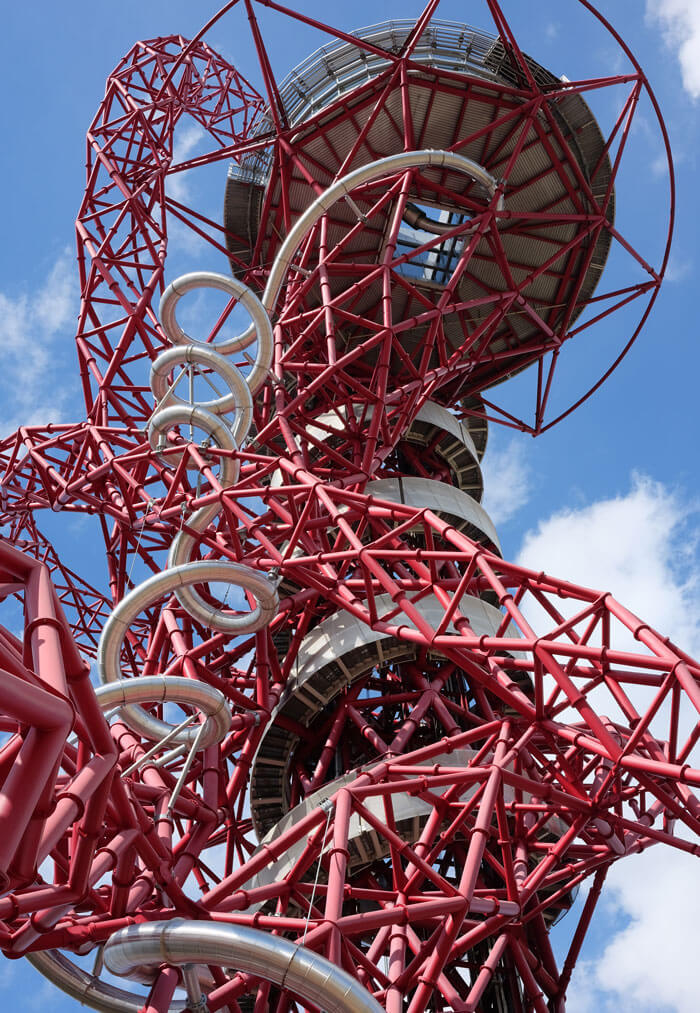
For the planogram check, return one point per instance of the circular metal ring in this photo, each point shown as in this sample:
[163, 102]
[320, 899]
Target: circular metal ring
[88, 989]
[126, 693]
[260, 328]
[164, 583]
[193, 415]
[237, 399]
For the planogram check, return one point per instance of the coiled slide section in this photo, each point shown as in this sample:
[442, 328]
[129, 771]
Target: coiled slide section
[226, 419]
[182, 573]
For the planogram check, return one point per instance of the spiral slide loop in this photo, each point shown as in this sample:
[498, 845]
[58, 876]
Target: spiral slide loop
[309, 975]
[260, 329]
[181, 573]
[125, 693]
[341, 188]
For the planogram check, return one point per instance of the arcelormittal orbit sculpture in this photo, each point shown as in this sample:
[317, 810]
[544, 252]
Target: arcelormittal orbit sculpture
[341, 753]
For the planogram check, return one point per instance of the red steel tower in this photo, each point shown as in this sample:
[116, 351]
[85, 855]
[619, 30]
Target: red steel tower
[341, 754]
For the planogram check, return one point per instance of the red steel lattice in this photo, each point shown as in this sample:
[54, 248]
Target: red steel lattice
[417, 752]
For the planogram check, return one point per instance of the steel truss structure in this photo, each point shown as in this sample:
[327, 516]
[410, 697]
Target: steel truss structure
[374, 769]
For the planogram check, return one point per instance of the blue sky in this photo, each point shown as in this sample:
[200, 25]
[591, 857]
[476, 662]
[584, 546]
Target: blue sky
[610, 497]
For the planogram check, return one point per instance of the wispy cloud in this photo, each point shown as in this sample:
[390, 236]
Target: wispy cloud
[649, 966]
[679, 267]
[506, 480]
[38, 371]
[186, 140]
[680, 23]
[643, 547]
[552, 30]
[186, 249]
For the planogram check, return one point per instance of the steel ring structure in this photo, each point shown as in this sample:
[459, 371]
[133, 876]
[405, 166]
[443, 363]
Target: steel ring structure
[344, 754]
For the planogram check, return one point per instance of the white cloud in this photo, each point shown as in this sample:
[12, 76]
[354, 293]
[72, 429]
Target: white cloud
[49, 310]
[38, 374]
[186, 249]
[506, 480]
[680, 24]
[679, 267]
[649, 966]
[639, 546]
[186, 140]
[552, 30]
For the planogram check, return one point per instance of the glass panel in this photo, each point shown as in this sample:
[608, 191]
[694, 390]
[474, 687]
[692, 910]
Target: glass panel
[436, 264]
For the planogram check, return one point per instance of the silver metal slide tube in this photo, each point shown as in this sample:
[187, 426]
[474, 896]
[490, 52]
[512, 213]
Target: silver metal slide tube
[182, 573]
[289, 965]
[342, 188]
[157, 587]
[125, 693]
[88, 989]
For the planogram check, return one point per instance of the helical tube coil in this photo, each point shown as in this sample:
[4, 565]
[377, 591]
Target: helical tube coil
[182, 573]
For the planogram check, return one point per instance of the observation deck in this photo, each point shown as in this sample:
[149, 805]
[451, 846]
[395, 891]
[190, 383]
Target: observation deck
[464, 95]
[453, 506]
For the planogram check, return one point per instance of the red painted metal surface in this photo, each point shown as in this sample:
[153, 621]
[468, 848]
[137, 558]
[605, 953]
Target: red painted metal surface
[463, 779]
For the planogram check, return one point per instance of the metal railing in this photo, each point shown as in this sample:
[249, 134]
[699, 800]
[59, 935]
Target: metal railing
[339, 67]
